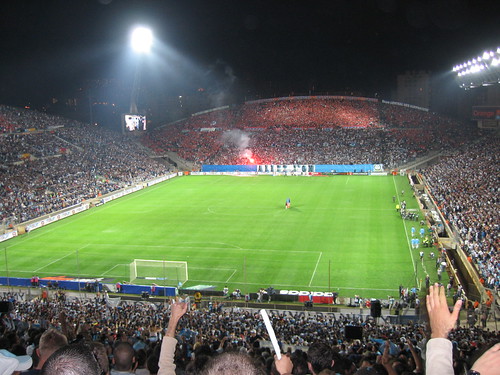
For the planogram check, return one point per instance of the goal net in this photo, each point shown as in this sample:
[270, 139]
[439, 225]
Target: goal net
[169, 273]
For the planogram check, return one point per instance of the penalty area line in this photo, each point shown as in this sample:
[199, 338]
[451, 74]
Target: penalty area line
[315, 268]
[112, 268]
[230, 277]
[61, 258]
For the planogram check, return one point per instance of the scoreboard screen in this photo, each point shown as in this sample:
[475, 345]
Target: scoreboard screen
[134, 122]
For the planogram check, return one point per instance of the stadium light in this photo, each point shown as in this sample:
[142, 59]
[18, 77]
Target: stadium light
[141, 39]
[482, 70]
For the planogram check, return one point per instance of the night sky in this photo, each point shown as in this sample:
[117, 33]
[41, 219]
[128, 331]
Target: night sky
[50, 47]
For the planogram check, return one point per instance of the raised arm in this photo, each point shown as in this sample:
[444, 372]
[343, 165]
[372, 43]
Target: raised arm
[177, 310]
[166, 363]
[386, 361]
[439, 355]
[416, 357]
[65, 328]
[440, 318]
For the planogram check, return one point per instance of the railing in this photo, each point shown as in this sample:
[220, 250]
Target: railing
[472, 274]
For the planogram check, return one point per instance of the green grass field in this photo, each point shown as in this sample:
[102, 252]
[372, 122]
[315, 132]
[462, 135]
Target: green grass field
[342, 233]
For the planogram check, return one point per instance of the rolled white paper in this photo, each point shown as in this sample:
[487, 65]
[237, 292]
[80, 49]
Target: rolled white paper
[271, 333]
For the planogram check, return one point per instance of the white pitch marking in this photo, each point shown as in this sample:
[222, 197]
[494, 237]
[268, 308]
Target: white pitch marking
[315, 268]
[406, 234]
[57, 260]
[231, 276]
[112, 268]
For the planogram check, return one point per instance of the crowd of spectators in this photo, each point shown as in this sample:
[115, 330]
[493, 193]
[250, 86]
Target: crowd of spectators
[309, 112]
[44, 171]
[18, 120]
[465, 186]
[21, 146]
[208, 332]
[309, 131]
[66, 162]
[286, 146]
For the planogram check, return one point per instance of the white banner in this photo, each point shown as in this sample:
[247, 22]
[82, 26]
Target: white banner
[58, 216]
[122, 193]
[286, 168]
[164, 178]
[305, 293]
[8, 235]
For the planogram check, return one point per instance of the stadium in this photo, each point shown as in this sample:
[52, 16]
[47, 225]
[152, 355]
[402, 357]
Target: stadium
[338, 213]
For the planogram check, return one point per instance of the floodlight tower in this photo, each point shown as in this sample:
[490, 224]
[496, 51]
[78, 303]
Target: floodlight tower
[141, 41]
[483, 70]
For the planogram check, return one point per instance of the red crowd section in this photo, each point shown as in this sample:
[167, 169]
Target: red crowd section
[309, 130]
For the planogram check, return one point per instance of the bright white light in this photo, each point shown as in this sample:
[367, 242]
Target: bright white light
[474, 69]
[141, 40]
[479, 69]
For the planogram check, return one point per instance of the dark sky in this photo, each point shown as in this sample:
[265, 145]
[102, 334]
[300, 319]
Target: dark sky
[52, 46]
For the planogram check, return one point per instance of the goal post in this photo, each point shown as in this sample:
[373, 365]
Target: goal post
[166, 272]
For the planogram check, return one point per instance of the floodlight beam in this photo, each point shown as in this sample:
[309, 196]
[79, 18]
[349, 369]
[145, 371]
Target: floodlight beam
[141, 41]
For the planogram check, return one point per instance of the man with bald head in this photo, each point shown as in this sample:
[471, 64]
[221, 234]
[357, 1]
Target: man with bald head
[123, 359]
[50, 341]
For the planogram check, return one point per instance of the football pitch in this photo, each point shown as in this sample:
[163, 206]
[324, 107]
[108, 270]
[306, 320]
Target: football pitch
[341, 234]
